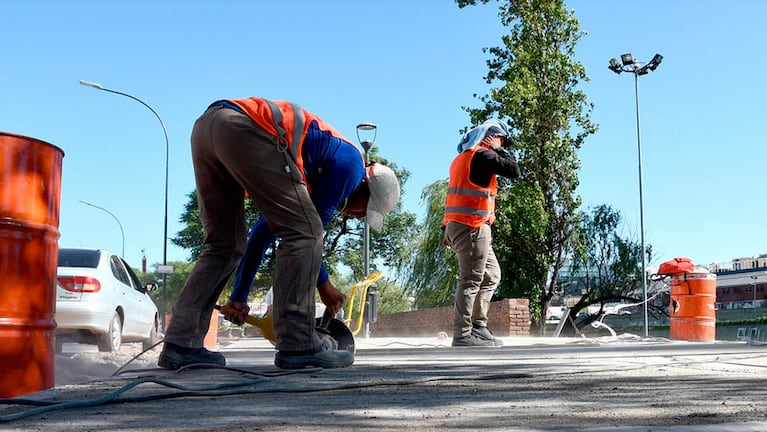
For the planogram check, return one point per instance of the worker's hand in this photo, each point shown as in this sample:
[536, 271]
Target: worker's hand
[493, 141]
[333, 299]
[445, 243]
[236, 312]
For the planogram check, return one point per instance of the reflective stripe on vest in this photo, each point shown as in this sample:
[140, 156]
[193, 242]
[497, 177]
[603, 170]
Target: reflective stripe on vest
[270, 115]
[468, 203]
[298, 129]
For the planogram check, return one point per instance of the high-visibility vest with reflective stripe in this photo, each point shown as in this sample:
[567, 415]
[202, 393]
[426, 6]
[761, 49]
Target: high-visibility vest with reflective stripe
[287, 121]
[468, 203]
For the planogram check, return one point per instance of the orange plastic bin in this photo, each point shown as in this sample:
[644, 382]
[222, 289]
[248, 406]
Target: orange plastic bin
[30, 189]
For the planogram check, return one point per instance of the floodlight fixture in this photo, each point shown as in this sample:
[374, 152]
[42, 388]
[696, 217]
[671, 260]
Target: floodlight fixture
[656, 59]
[615, 66]
[627, 59]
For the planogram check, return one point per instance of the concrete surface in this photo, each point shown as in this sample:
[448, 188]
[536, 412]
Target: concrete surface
[625, 384]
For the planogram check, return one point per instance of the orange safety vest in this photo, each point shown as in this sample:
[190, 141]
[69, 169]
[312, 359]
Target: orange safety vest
[468, 203]
[287, 121]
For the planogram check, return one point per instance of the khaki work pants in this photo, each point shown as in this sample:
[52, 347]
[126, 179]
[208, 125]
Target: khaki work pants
[478, 275]
[232, 154]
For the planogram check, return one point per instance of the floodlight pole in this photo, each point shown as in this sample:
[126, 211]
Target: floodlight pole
[165, 222]
[633, 66]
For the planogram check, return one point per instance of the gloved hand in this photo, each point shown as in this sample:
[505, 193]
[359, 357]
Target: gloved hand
[331, 297]
[240, 309]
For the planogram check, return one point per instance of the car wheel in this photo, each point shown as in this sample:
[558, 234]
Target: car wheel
[112, 339]
[149, 343]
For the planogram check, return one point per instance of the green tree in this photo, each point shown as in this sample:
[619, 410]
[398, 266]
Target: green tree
[520, 236]
[605, 266]
[535, 88]
[431, 270]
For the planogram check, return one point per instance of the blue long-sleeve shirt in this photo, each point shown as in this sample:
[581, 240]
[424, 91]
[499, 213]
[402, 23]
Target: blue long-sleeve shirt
[334, 169]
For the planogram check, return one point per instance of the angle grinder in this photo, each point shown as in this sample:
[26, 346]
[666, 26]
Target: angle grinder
[333, 333]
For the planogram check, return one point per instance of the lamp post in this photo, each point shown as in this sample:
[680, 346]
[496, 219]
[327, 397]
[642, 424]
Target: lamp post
[629, 64]
[367, 129]
[164, 269]
[122, 233]
[367, 144]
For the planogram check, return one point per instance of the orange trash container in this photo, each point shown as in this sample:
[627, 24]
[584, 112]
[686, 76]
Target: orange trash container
[692, 312]
[30, 189]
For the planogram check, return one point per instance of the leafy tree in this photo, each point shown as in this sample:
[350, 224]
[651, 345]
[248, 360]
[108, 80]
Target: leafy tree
[431, 269]
[605, 266]
[519, 237]
[392, 298]
[535, 83]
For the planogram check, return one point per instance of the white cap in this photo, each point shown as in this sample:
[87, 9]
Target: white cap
[384, 194]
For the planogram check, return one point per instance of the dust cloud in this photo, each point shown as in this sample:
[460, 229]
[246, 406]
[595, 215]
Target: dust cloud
[80, 363]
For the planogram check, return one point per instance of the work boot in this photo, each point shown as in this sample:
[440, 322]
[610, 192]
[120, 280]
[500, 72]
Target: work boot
[472, 340]
[317, 357]
[483, 332]
[174, 357]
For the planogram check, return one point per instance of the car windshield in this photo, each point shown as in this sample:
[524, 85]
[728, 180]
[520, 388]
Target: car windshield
[79, 258]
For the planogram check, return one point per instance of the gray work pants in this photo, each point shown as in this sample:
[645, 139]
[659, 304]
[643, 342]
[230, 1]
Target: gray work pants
[232, 154]
[478, 275]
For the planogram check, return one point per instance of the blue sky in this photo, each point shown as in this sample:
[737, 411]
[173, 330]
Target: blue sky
[409, 67]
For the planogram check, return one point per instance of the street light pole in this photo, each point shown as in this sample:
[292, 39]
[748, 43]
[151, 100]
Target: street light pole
[122, 233]
[165, 222]
[628, 64]
[367, 144]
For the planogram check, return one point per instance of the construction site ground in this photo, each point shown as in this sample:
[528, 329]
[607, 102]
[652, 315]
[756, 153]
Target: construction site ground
[624, 383]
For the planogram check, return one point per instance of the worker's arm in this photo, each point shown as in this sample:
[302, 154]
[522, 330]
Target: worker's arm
[331, 297]
[259, 240]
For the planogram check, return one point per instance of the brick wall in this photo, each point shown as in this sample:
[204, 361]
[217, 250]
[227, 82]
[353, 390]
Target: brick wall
[508, 317]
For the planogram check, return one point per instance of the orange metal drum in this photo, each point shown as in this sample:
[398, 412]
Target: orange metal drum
[30, 189]
[692, 315]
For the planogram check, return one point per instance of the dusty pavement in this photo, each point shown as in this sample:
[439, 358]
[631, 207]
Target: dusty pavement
[531, 384]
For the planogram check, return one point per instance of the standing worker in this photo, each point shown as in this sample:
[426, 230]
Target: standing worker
[275, 151]
[469, 214]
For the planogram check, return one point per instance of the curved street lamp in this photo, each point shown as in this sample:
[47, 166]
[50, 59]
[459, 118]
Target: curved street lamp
[122, 253]
[629, 64]
[165, 223]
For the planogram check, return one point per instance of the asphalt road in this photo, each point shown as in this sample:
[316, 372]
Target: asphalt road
[624, 384]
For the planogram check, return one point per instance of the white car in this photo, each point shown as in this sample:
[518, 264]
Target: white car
[99, 299]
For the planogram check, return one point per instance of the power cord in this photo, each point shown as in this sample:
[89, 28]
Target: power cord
[224, 389]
